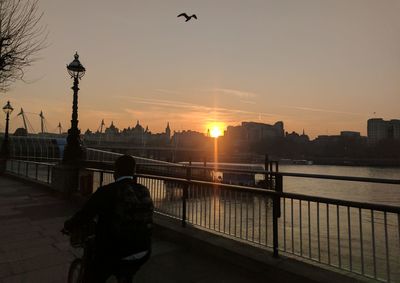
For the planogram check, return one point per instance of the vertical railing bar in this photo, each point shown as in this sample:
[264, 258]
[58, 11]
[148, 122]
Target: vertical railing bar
[196, 189]
[284, 224]
[205, 205]
[215, 203]
[191, 202]
[387, 247]
[201, 205]
[327, 233]
[300, 229]
[309, 231]
[318, 234]
[338, 236]
[291, 210]
[185, 193]
[276, 213]
[209, 207]
[219, 209]
[350, 249]
[235, 219]
[373, 241]
[159, 192]
[266, 220]
[247, 216]
[259, 218]
[361, 241]
[230, 211]
[241, 214]
[253, 218]
[224, 200]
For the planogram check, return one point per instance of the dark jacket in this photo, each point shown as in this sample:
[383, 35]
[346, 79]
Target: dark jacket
[102, 204]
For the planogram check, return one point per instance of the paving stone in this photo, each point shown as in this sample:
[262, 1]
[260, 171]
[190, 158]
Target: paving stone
[55, 274]
[24, 244]
[41, 262]
[5, 270]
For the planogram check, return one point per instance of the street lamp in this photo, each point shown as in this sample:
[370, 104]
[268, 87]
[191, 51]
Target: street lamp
[4, 149]
[73, 151]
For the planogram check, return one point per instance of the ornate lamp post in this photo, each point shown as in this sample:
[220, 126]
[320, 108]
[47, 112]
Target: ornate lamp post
[73, 151]
[4, 149]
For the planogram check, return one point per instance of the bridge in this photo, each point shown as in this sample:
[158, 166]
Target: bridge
[304, 237]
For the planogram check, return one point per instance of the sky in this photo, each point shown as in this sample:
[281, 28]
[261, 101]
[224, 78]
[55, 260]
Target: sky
[321, 66]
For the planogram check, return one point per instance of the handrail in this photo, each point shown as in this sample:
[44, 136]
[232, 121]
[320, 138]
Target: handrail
[333, 201]
[289, 174]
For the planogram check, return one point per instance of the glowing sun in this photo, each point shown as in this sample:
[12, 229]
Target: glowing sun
[216, 130]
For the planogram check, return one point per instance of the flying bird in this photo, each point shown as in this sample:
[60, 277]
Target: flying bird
[187, 17]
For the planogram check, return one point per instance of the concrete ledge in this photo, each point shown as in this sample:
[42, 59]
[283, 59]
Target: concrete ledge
[255, 259]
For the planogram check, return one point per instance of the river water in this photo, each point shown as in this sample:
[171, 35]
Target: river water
[365, 192]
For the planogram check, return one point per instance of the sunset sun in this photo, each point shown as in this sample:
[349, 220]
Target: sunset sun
[216, 129]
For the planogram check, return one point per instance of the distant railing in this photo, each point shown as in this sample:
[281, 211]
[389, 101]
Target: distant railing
[36, 171]
[359, 237]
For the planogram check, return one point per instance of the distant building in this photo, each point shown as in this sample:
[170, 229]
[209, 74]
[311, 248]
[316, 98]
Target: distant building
[350, 134]
[253, 132]
[189, 138]
[295, 137]
[379, 129]
[134, 136]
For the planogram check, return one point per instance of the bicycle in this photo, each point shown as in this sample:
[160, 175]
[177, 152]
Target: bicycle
[80, 239]
[84, 238]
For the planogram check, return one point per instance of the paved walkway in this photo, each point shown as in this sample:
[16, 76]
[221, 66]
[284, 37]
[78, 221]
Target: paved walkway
[33, 250]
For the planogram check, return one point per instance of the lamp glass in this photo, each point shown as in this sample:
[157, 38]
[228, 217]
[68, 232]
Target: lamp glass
[75, 68]
[8, 108]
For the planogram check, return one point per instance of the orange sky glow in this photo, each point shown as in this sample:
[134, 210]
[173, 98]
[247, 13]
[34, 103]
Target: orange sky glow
[321, 66]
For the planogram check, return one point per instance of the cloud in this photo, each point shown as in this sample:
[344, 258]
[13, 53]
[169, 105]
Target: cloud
[167, 91]
[235, 92]
[208, 111]
[322, 110]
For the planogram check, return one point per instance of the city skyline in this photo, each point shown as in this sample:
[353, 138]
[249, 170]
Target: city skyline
[322, 67]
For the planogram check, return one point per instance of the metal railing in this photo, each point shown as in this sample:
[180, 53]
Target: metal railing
[359, 237]
[37, 171]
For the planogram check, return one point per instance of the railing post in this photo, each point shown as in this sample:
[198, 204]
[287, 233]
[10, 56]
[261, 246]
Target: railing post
[276, 213]
[266, 176]
[185, 194]
[26, 169]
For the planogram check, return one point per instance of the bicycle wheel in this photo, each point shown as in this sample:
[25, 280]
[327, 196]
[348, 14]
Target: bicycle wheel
[75, 273]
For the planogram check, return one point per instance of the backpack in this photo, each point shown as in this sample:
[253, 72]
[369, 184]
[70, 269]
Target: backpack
[132, 219]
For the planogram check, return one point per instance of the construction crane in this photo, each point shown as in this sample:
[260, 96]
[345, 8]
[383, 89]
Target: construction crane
[21, 113]
[41, 122]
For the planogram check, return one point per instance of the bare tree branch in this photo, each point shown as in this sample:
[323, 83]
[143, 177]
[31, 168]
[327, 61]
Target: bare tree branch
[21, 38]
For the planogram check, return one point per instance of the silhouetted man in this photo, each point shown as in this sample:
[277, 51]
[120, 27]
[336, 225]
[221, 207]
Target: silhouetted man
[124, 212]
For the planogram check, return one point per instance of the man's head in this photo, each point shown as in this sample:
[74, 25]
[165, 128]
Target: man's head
[124, 166]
